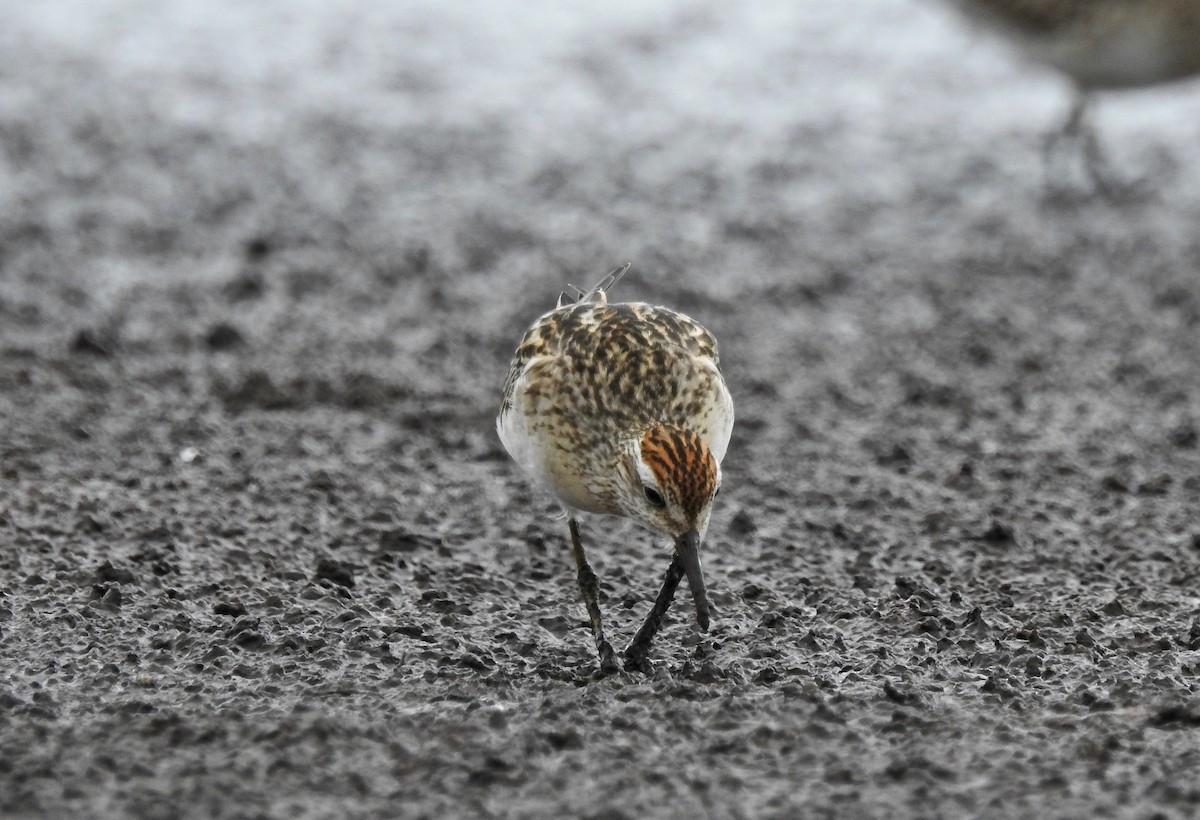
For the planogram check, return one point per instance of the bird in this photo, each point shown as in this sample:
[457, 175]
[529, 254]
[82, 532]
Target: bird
[1099, 45]
[620, 408]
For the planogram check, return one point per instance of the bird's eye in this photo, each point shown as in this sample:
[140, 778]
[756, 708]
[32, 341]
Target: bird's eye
[655, 497]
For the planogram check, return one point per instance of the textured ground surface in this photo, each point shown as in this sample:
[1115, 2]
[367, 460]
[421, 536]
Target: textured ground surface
[261, 555]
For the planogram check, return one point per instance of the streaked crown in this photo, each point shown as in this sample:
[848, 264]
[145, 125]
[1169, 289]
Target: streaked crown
[684, 470]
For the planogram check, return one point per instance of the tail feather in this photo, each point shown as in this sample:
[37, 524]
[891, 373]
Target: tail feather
[574, 295]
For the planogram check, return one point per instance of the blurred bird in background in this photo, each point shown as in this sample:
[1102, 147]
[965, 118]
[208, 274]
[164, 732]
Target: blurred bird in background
[1099, 45]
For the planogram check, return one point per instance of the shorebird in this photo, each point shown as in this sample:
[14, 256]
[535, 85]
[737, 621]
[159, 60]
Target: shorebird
[621, 409]
[1099, 45]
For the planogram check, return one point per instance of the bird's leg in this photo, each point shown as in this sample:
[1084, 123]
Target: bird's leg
[635, 654]
[1061, 144]
[1089, 143]
[1077, 119]
[590, 587]
[1078, 134]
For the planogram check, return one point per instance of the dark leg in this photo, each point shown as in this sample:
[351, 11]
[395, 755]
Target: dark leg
[1064, 145]
[1079, 141]
[590, 587]
[635, 655]
[1077, 120]
[1094, 161]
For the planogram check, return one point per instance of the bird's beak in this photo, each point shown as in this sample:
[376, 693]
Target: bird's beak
[688, 547]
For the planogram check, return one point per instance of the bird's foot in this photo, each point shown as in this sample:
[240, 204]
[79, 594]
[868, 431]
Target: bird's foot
[608, 661]
[1077, 170]
[1120, 191]
[1107, 189]
[607, 668]
[638, 662]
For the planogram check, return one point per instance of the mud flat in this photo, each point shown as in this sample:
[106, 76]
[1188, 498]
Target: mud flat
[261, 554]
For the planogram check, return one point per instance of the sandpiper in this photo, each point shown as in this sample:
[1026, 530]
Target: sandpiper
[621, 409]
[1099, 45]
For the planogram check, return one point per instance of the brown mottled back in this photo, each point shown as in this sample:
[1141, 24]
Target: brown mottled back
[629, 362]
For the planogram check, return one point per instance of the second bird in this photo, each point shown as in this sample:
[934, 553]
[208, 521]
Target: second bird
[1100, 45]
[621, 409]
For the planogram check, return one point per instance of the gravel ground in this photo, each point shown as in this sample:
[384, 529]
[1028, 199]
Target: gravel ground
[262, 267]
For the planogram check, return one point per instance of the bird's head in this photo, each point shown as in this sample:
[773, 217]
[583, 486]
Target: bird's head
[672, 478]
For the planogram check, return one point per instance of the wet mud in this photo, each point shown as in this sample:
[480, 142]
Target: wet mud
[262, 554]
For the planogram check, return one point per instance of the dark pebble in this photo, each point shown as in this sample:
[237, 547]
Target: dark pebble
[403, 540]
[91, 343]
[335, 572]
[999, 534]
[742, 524]
[244, 287]
[107, 573]
[1177, 716]
[223, 336]
[258, 249]
[974, 624]
[1184, 437]
[232, 608]
[1115, 607]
